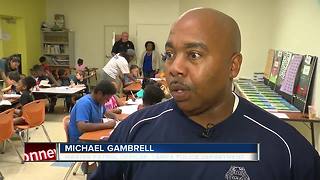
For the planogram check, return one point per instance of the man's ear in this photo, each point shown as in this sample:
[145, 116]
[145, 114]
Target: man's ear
[236, 61]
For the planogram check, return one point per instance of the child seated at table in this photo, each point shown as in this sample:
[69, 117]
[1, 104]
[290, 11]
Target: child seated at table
[25, 87]
[81, 80]
[40, 74]
[13, 77]
[64, 80]
[153, 94]
[135, 72]
[44, 63]
[114, 102]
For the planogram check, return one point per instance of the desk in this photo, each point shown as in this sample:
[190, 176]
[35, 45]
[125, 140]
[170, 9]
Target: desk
[292, 116]
[300, 117]
[13, 102]
[96, 135]
[63, 90]
[134, 87]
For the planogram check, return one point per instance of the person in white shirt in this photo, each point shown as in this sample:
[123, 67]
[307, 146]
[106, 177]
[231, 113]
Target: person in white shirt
[118, 67]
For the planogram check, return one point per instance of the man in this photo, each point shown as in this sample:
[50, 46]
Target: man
[118, 67]
[87, 113]
[122, 45]
[203, 56]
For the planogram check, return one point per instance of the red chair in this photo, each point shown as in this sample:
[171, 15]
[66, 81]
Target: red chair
[34, 115]
[66, 121]
[7, 130]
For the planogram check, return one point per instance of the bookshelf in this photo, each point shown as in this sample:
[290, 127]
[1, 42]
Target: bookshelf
[58, 48]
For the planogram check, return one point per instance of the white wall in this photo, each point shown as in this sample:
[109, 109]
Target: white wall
[256, 21]
[149, 12]
[297, 30]
[87, 20]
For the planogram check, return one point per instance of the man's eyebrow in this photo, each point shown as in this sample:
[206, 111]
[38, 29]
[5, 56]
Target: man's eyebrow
[198, 45]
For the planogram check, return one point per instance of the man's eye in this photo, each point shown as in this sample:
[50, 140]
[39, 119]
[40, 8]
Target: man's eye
[168, 56]
[194, 55]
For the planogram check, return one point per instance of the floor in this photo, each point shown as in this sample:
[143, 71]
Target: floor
[10, 165]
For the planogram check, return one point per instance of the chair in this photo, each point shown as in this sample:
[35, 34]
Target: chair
[66, 121]
[7, 130]
[34, 115]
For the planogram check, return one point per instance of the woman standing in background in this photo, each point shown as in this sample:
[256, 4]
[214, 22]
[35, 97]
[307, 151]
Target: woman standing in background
[150, 60]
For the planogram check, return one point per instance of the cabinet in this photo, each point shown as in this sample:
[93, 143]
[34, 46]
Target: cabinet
[58, 48]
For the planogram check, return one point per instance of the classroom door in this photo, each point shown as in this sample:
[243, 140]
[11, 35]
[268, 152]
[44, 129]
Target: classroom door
[111, 34]
[158, 33]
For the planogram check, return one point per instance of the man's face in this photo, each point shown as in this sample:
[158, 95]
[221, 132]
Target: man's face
[197, 68]
[125, 37]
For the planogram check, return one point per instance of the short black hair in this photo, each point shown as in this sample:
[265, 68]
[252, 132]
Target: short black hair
[61, 71]
[147, 81]
[42, 59]
[14, 58]
[29, 82]
[151, 42]
[152, 94]
[105, 87]
[14, 75]
[37, 68]
[80, 61]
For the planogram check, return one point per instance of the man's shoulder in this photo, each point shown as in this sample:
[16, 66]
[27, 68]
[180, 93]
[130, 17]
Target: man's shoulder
[273, 128]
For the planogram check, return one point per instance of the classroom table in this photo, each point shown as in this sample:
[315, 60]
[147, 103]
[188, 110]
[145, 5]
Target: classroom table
[5, 106]
[134, 87]
[96, 135]
[286, 116]
[62, 90]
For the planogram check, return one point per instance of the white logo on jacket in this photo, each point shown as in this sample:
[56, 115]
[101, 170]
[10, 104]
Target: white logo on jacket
[237, 173]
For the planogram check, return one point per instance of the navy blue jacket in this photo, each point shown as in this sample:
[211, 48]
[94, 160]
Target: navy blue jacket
[284, 153]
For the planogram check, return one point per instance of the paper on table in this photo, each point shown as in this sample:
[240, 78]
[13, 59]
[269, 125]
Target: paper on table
[136, 102]
[281, 115]
[5, 103]
[11, 95]
[129, 109]
[106, 120]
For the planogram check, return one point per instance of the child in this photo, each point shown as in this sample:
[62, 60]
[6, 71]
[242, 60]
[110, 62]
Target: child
[114, 102]
[80, 80]
[152, 95]
[44, 63]
[64, 80]
[80, 66]
[145, 82]
[24, 86]
[13, 78]
[135, 72]
[40, 74]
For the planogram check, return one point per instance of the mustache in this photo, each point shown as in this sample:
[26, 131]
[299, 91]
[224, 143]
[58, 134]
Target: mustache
[178, 84]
